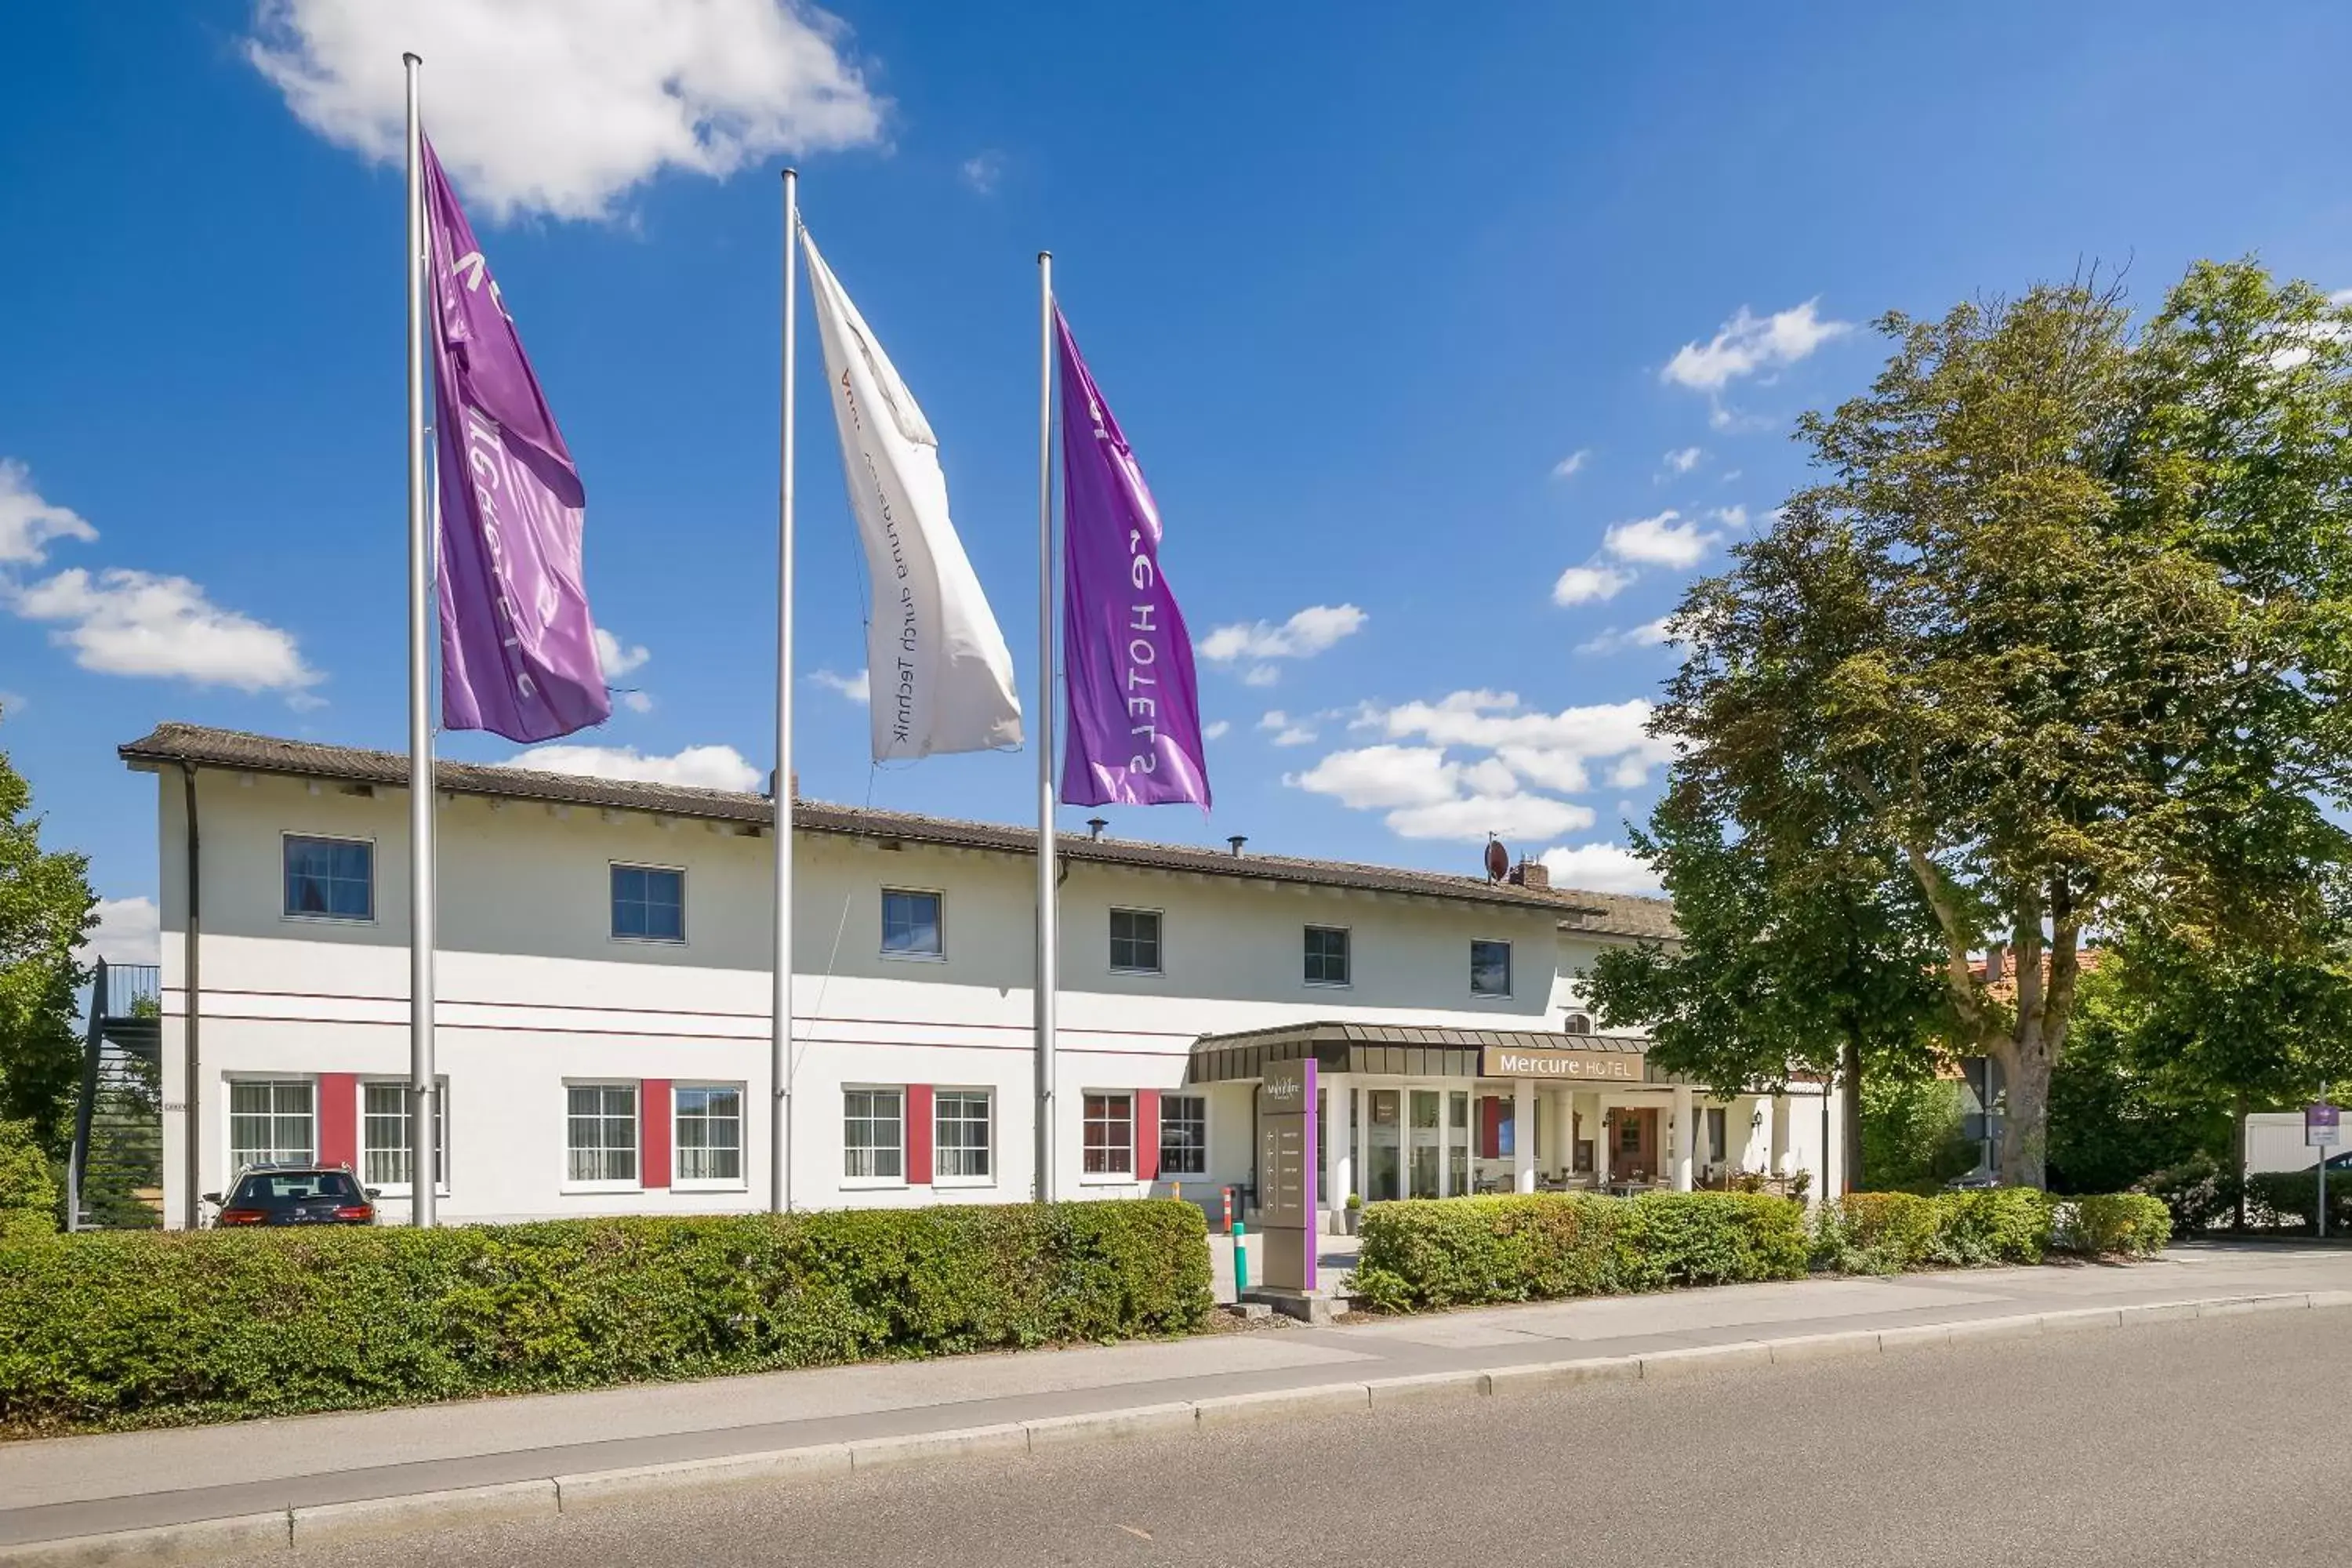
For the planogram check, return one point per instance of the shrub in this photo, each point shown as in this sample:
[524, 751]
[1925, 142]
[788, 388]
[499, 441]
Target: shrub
[1876, 1233]
[2200, 1195]
[28, 1193]
[2288, 1200]
[127, 1330]
[1992, 1225]
[1452, 1252]
[2111, 1224]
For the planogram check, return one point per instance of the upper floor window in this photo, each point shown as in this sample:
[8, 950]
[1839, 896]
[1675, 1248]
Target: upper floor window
[1490, 969]
[1327, 955]
[648, 904]
[330, 878]
[911, 926]
[1135, 941]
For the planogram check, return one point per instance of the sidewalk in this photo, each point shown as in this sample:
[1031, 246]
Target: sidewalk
[72, 1487]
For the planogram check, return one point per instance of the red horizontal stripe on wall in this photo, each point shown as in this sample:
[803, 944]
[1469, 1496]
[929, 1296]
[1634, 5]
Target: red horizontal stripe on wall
[653, 1118]
[918, 1134]
[338, 1118]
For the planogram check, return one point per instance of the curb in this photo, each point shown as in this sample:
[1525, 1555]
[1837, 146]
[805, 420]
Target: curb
[206, 1540]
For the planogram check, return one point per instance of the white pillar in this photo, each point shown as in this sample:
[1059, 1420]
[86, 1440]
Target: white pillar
[1602, 1141]
[1683, 1138]
[1338, 1173]
[1779, 1161]
[1523, 1136]
[1358, 1153]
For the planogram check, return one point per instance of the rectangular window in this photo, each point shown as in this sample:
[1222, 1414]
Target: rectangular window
[330, 878]
[648, 904]
[959, 1135]
[1135, 941]
[600, 1141]
[1110, 1135]
[1183, 1135]
[385, 1153]
[910, 924]
[874, 1134]
[273, 1121]
[707, 1131]
[1490, 969]
[1327, 955]
[1718, 1136]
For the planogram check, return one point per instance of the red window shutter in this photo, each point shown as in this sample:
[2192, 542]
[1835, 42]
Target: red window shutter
[338, 1118]
[653, 1129]
[1147, 1134]
[1490, 1127]
[920, 1128]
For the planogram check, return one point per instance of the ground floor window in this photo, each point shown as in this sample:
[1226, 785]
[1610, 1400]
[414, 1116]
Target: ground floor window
[960, 1124]
[1110, 1135]
[273, 1121]
[1183, 1135]
[1718, 1136]
[873, 1134]
[707, 1120]
[600, 1138]
[385, 1159]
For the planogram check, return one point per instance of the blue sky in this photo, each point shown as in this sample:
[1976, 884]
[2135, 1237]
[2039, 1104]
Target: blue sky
[1420, 325]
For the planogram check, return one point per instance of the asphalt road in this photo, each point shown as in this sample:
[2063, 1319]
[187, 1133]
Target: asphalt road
[2218, 1441]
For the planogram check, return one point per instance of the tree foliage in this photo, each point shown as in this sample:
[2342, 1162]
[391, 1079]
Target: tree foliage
[2066, 618]
[46, 908]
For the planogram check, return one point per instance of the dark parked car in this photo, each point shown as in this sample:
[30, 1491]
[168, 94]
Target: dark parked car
[296, 1194]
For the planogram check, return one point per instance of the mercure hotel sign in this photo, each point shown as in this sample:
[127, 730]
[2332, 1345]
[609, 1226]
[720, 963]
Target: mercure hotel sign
[1597, 1066]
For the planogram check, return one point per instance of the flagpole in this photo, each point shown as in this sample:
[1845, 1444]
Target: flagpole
[1047, 952]
[423, 1166]
[780, 1045]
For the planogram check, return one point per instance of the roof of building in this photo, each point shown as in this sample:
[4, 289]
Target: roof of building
[1406, 1051]
[1604, 914]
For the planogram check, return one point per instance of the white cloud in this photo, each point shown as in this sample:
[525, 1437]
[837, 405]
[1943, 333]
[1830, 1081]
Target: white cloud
[1215, 729]
[1287, 731]
[1600, 869]
[1649, 634]
[562, 106]
[1667, 540]
[14, 702]
[637, 701]
[1375, 777]
[135, 623]
[695, 767]
[1601, 730]
[1631, 771]
[28, 523]
[1568, 466]
[1262, 675]
[852, 687]
[1584, 584]
[1733, 517]
[1547, 767]
[1303, 636]
[615, 657]
[982, 171]
[1475, 816]
[1750, 344]
[1683, 459]
[128, 931]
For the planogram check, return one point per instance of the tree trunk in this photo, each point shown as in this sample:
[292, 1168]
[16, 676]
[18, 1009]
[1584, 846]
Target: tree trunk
[2025, 1130]
[1851, 1070]
[2238, 1159]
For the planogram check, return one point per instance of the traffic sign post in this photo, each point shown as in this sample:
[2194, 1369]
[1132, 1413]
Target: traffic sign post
[2322, 1129]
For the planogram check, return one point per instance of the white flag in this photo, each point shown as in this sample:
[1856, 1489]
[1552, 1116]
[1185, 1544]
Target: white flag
[940, 675]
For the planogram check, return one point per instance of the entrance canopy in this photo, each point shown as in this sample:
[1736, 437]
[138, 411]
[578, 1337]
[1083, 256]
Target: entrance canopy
[1405, 1051]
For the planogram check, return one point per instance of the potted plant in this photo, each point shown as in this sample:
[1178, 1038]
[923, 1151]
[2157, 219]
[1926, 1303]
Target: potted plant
[1351, 1214]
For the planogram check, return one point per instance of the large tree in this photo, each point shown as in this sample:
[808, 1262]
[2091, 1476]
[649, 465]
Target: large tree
[2068, 616]
[46, 910]
[1812, 965]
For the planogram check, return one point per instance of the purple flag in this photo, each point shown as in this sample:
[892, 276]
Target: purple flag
[518, 650]
[1135, 708]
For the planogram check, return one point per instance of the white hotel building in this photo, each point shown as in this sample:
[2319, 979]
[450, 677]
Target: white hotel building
[603, 1019]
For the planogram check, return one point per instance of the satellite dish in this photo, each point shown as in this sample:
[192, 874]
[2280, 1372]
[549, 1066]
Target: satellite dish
[1498, 860]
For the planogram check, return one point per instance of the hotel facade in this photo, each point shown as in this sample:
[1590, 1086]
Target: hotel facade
[603, 1027]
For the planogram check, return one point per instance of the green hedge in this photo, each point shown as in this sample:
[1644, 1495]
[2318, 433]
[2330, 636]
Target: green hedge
[1884, 1233]
[1451, 1252]
[2287, 1200]
[123, 1330]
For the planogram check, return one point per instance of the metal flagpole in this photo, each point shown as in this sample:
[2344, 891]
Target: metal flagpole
[1046, 892]
[780, 1045]
[423, 1166]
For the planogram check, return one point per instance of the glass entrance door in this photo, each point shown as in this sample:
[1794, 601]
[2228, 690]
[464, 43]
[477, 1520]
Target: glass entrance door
[1427, 1152]
[1383, 1146]
[1457, 1143]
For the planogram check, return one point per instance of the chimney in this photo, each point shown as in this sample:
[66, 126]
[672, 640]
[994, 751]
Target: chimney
[1533, 874]
[1995, 963]
[1237, 841]
[1095, 824]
